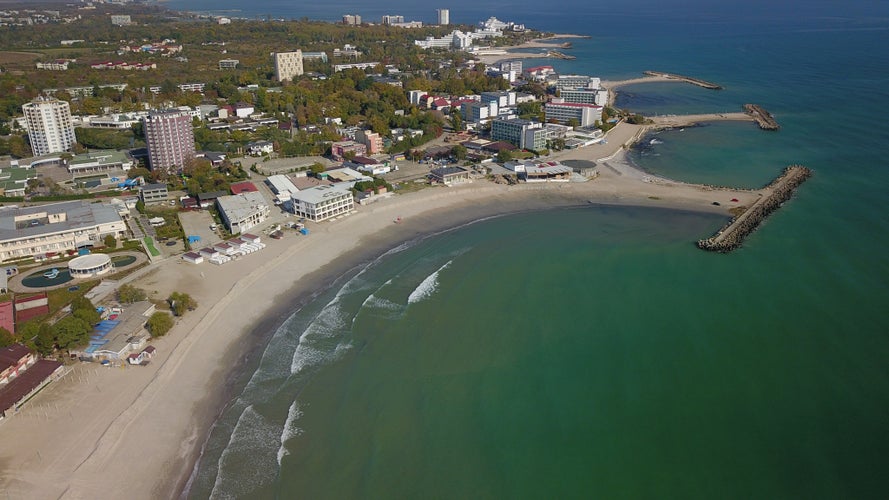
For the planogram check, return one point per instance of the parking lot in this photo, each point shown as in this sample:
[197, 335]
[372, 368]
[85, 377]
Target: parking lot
[197, 223]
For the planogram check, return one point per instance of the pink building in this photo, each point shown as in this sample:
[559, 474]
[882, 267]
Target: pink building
[170, 139]
[7, 316]
[339, 149]
[371, 140]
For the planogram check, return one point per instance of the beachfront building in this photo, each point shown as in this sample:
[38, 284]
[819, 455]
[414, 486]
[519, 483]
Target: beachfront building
[323, 202]
[574, 82]
[153, 193]
[240, 212]
[582, 115]
[115, 339]
[522, 133]
[50, 129]
[531, 171]
[585, 96]
[56, 228]
[288, 65]
[456, 39]
[450, 176]
[22, 376]
[538, 73]
[170, 138]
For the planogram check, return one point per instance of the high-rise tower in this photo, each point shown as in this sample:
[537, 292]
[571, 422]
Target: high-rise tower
[49, 126]
[170, 139]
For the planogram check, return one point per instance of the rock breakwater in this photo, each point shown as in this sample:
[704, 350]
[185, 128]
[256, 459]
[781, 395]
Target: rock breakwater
[732, 235]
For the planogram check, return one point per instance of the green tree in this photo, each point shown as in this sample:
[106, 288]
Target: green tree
[504, 156]
[456, 121]
[44, 338]
[159, 324]
[71, 331]
[110, 241]
[181, 302]
[127, 294]
[459, 152]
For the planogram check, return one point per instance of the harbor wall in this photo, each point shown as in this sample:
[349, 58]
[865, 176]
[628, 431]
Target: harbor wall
[732, 235]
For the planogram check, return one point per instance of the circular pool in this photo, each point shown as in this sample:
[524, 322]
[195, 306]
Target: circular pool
[41, 279]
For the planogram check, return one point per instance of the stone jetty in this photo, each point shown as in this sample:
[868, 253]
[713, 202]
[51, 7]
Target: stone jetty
[763, 118]
[775, 194]
[693, 81]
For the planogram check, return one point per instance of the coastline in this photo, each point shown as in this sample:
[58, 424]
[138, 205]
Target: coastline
[84, 443]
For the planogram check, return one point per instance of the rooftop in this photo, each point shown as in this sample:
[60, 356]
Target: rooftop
[238, 207]
[79, 214]
[319, 194]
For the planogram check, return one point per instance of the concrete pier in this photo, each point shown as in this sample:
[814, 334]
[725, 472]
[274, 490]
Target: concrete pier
[693, 81]
[763, 118]
[732, 235]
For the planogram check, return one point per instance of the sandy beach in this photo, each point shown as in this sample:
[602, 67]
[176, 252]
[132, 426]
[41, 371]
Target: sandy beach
[136, 432]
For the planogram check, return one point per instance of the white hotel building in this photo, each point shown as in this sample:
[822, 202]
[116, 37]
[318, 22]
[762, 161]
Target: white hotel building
[49, 126]
[563, 112]
[58, 227]
[242, 211]
[323, 202]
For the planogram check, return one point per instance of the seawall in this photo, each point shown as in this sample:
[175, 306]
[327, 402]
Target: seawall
[732, 235]
[689, 79]
[763, 118]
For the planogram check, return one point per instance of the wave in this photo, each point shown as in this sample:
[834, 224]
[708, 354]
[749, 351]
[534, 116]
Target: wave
[428, 286]
[253, 432]
[655, 141]
[290, 430]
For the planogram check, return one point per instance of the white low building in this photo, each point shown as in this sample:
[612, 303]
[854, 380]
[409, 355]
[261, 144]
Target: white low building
[57, 228]
[242, 211]
[323, 202]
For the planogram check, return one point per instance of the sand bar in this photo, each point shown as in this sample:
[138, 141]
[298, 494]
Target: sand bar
[136, 432]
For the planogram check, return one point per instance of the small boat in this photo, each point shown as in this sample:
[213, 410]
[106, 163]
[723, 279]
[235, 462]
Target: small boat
[52, 273]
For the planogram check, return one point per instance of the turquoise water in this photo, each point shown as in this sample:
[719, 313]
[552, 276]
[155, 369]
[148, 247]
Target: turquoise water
[595, 352]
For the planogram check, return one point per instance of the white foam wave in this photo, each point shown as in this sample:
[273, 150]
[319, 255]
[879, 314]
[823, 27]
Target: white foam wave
[428, 286]
[290, 430]
[655, 141]
[251, 440]
[372, 301]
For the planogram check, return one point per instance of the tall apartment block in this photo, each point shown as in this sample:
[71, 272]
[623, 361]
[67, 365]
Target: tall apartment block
[170, 139]
[444, 17]
[49, 126]
[288, 65]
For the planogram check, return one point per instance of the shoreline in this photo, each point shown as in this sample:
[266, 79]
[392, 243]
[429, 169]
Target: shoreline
[178, 398]
[201, 360]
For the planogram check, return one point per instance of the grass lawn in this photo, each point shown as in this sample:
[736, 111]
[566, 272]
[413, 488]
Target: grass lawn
[149, 243]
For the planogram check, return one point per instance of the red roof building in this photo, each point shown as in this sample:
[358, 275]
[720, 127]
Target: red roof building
[243, 187]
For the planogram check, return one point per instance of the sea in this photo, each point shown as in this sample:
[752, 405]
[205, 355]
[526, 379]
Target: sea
[595, 352]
